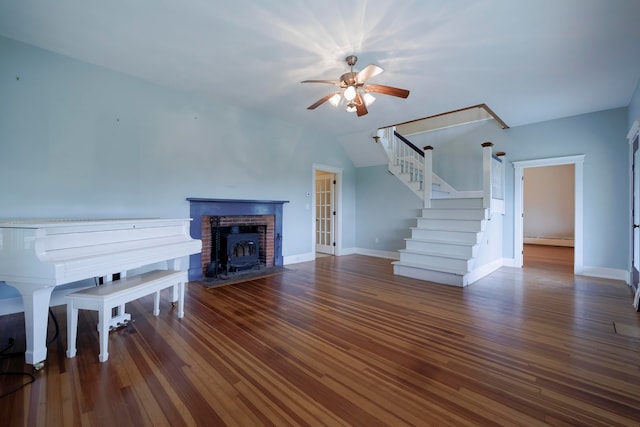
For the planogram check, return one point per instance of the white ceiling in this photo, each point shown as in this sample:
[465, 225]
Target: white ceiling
[529, 61]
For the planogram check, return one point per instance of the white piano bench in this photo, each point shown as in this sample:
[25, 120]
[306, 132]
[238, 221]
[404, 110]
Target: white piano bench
[105, 297]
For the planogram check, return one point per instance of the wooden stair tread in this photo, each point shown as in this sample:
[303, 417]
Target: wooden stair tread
[435, 254]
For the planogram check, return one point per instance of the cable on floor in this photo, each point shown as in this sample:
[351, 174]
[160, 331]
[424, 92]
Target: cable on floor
[5, 354]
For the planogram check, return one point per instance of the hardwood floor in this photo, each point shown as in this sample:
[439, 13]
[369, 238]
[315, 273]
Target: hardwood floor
[342, 341]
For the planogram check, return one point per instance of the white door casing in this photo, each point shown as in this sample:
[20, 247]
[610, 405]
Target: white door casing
[325, 212]
[337, 204]
[518, 201]
[634, 218]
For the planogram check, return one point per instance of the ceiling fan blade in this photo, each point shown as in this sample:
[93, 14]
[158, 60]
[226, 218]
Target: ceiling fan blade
[361, 108]
[331, 82]
[368, 72]
[388, 90]
[321, 101]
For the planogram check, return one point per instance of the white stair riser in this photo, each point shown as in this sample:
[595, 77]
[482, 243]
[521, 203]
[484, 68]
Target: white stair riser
[453, 224]
[434, 261]
[445, 236]
[442, 248]
[464, 214]
[453, 203]
[429, 275]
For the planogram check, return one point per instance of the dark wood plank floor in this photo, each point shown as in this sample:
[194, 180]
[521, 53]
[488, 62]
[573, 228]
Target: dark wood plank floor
[342, 341]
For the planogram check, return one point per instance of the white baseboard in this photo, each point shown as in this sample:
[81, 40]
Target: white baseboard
[310, 256]
[484, 270]
[11, 306]
[508, 262]
[294, 259]
[604, 273]
[345, 251]
[378, 254]
[600, 272]
[14, 305]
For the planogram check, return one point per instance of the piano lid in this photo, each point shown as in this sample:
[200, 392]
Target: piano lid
[64, 222]
[61, 251]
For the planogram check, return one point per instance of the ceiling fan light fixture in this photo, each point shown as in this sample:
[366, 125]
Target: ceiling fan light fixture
[353, 87]
[368, 99]
[350, 93]
[335, 100]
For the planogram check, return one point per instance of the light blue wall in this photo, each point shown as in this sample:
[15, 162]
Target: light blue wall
[386, 209]
[634, 106]
[78, 140]
[600, 136]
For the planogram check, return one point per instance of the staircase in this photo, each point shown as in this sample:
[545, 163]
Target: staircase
[444, 244]
[453, 243]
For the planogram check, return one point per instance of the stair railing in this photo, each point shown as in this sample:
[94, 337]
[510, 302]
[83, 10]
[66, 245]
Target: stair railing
[418, 165]
[409, 158]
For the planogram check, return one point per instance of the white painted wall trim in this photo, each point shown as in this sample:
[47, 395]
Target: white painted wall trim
[378, 254]
[578, 162]
[509, 262]
[294, 259]
[604, 273]
[631, 135]
[58, 297]
[600, 272]
[483, 271]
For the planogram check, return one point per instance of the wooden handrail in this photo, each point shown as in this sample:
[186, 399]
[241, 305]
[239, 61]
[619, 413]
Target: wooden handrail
[409, 143]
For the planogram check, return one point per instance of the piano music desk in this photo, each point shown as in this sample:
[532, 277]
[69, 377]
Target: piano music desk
[105, 297]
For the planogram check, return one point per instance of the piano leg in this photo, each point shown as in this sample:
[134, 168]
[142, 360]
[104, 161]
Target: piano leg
[36, 301]
[72, 330]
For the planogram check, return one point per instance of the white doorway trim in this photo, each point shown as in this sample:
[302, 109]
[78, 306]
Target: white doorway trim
[518, 202]
[338, 206]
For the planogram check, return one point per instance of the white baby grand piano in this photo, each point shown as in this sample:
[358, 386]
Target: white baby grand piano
[38, 255]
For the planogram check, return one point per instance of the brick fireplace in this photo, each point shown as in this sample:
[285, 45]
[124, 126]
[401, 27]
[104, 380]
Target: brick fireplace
[263, 215]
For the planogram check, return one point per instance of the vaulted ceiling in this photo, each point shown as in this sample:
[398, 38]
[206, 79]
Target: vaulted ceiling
[529, 61]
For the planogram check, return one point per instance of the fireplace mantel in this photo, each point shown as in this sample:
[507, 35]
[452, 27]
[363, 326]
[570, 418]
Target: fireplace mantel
[200, 207]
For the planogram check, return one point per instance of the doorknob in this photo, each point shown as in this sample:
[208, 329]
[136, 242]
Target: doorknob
[636, 225]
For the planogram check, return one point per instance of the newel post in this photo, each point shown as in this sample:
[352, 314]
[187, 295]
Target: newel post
[486, 174]
[427, 177]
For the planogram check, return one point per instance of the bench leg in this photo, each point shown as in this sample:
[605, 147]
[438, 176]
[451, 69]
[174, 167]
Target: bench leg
[103, 327]
[156, 303]
[72, 329]
[180, 299]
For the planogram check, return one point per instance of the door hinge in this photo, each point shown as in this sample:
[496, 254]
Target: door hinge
[334, 182]
[334, 243]
[334, 212]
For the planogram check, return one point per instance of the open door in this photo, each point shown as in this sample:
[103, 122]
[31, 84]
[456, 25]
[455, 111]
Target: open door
[325, 211]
